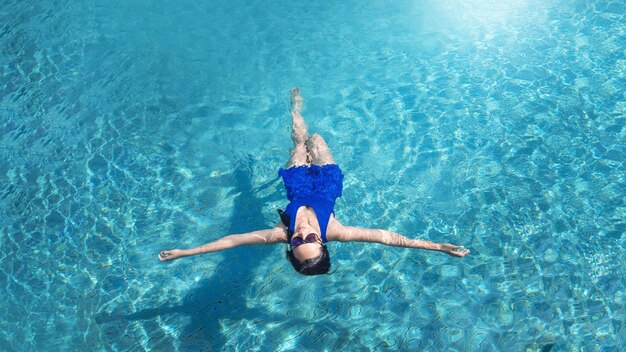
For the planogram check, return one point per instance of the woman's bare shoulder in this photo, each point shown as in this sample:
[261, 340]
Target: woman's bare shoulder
[335, 229]
[279, 233]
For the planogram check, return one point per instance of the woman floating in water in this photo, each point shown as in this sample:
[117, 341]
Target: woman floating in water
[313, 182]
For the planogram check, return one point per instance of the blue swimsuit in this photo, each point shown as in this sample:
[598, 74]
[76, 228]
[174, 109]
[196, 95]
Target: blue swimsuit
[317, 187]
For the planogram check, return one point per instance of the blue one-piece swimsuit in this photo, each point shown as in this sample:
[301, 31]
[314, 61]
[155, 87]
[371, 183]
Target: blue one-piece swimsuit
[314, 186]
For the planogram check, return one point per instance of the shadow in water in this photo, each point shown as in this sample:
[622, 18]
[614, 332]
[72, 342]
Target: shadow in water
[219, 298]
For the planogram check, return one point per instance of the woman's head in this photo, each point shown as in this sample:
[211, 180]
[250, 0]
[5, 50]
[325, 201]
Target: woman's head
[307, 252]
[306, 262]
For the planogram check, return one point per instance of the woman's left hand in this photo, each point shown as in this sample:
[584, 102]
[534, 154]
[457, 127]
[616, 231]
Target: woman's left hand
[454, 250]
[172, 254]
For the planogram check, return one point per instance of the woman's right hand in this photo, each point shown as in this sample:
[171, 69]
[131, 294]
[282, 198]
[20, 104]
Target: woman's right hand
[171, 254]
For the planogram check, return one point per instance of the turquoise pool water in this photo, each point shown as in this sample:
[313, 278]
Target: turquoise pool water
[130, 127]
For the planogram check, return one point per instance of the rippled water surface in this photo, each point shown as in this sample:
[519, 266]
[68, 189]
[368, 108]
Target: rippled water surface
[129, 127]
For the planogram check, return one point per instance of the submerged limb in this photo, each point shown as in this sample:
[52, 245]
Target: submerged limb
[299, 133]
[299, 154]
[319, 151]
[356, 234]
[278, 234]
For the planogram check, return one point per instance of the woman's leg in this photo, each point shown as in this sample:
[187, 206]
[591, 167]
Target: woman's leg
[318, 150]
[299, 134]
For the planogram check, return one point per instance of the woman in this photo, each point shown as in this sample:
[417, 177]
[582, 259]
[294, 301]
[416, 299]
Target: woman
[313, 182]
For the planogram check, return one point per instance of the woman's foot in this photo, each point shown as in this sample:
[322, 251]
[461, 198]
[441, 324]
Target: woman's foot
[296, 100]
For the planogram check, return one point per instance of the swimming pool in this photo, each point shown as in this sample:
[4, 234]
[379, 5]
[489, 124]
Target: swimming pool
[129, 128]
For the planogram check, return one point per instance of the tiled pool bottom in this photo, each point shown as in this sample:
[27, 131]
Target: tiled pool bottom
[120, 138]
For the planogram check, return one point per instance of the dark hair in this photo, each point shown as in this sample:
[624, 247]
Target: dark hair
[314, 266]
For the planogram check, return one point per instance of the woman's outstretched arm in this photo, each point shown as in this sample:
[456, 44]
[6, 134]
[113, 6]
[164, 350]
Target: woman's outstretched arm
[349, 233]
[270, 236]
